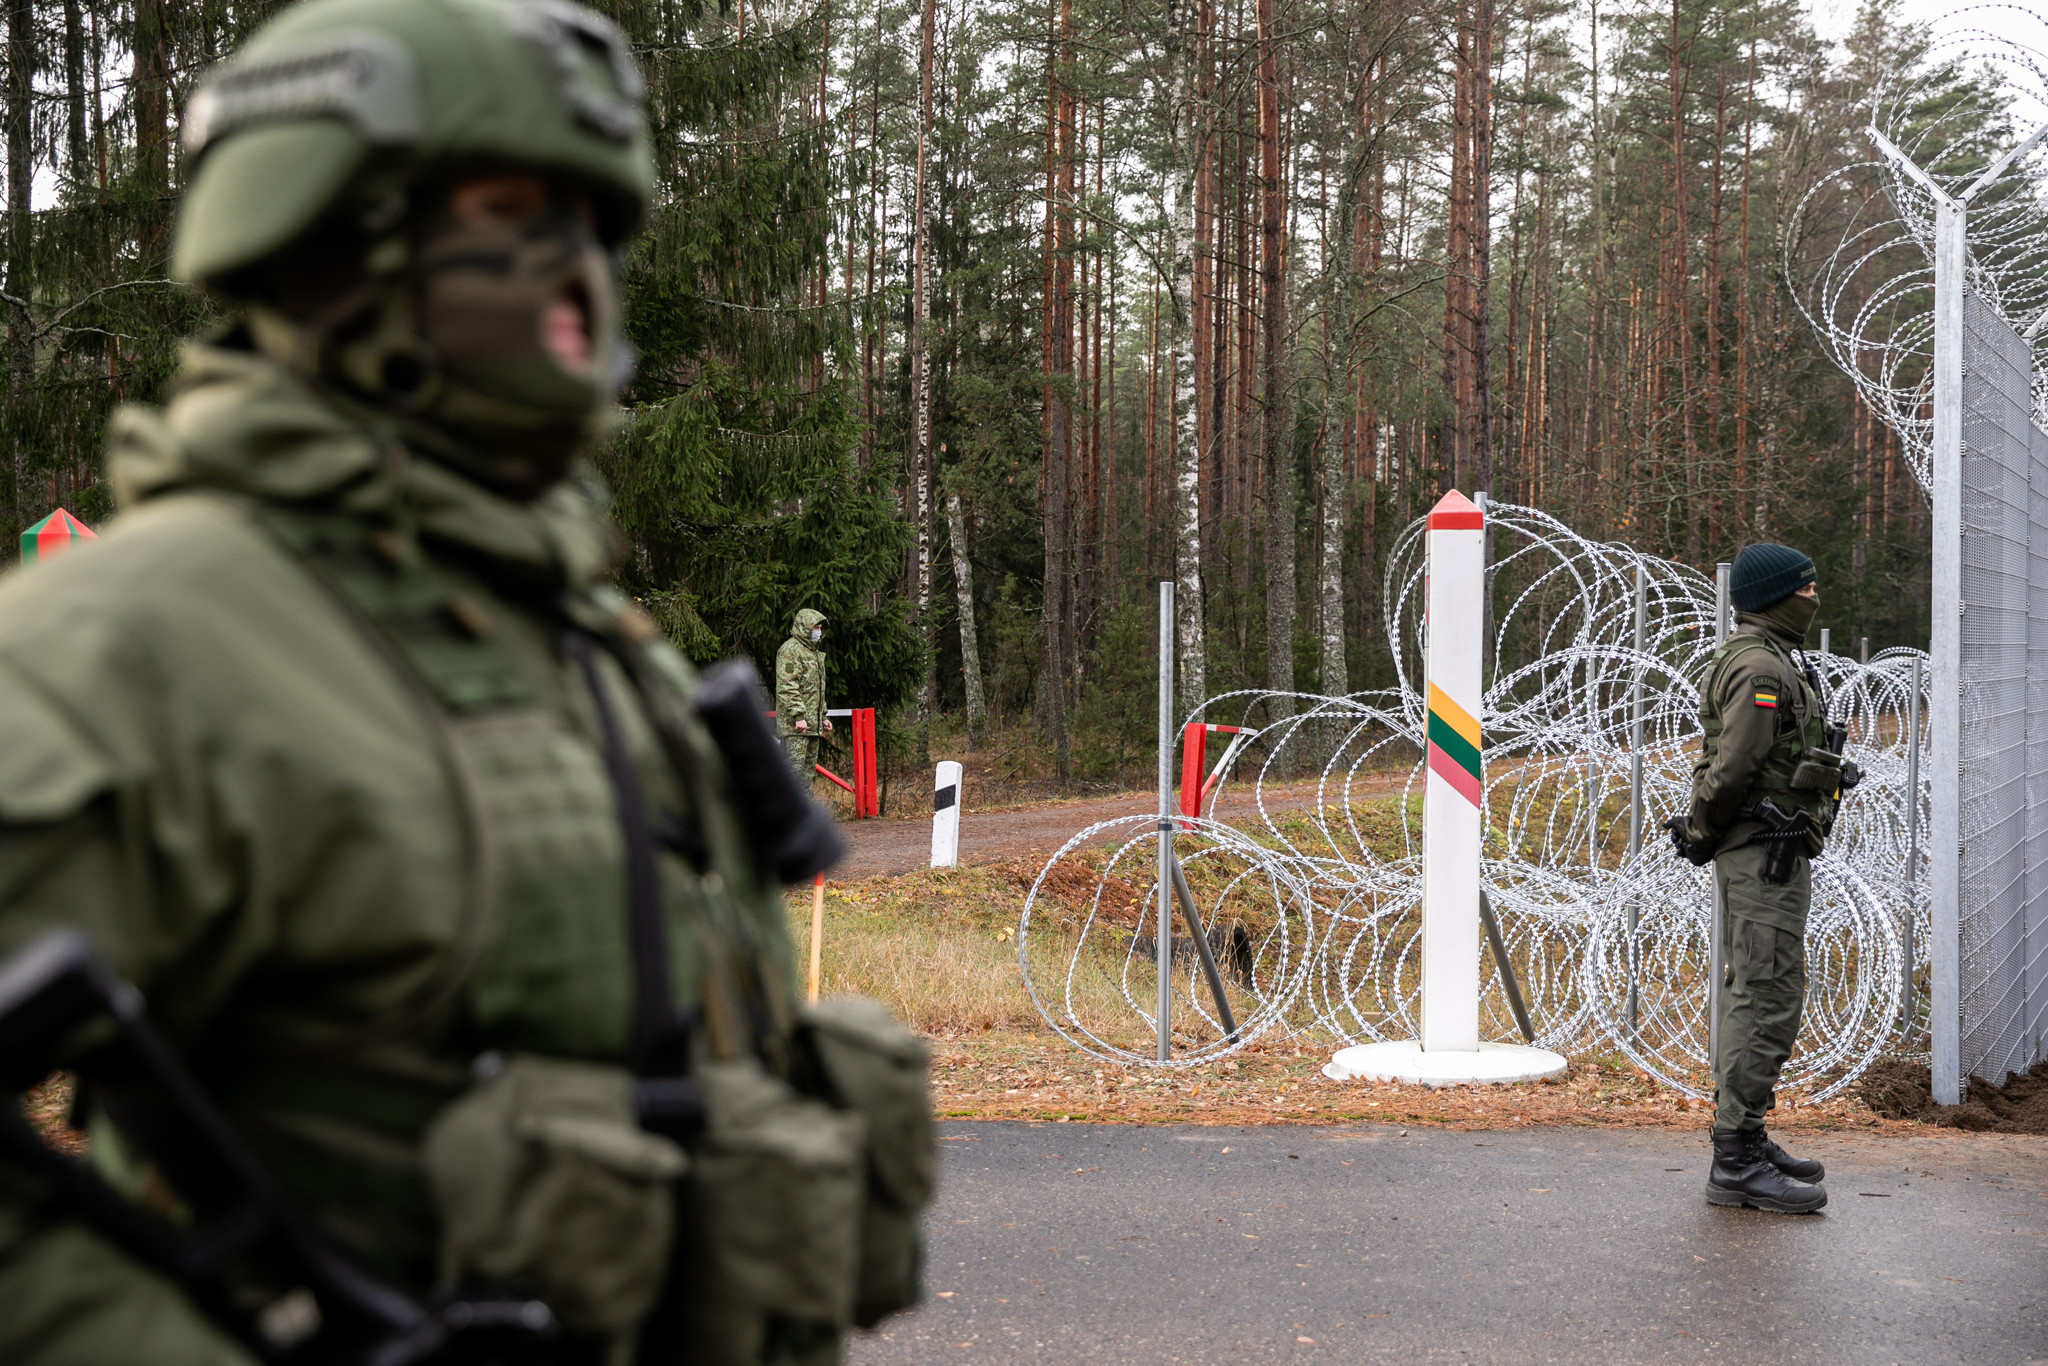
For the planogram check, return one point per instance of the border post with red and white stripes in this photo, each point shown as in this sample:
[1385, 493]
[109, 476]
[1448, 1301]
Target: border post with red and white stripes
[1450, 1050]
[1455, 792]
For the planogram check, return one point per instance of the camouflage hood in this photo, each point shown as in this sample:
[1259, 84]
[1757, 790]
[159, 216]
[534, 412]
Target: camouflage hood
[800, 629]
[239, 423]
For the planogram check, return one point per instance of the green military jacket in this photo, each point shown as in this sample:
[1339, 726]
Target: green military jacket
[800, 677]
[337, 877]
[1761, 716]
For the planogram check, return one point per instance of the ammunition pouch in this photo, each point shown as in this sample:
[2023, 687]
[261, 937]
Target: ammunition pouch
[774, 1204]
[1817, 771]
[816, 1153]
[543, 1177]
[873, 1067]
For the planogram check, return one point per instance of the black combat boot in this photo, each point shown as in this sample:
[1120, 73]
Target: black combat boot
[1743, 1175]
[1807, 1169]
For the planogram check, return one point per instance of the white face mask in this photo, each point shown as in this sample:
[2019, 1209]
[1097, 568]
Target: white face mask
[817, 634]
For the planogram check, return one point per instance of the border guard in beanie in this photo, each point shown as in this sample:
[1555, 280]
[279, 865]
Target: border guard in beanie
[1764, 795]
[456, 896]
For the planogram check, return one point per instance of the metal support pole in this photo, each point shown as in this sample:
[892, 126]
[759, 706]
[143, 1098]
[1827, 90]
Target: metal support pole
[1635, 776]
[1863, 651]
[1825, 643]
[1165, 930]
[1912, 843]
[1716, 933]
[1944, 691]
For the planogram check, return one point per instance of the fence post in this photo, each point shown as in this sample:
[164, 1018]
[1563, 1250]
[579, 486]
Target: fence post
[1164, 954]
[1944, 692]
[1912, 843]
[1724, 574]
[1635, 775]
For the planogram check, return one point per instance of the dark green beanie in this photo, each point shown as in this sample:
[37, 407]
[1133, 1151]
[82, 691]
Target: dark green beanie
[1767, 573]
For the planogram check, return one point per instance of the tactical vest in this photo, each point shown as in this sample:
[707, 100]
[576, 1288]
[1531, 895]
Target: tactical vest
[544, 961]
[1801, 734]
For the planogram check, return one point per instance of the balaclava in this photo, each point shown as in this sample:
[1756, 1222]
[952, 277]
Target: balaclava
[444, 330]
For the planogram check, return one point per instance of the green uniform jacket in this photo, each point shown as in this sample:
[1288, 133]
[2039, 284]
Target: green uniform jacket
[257, 816]
[1763, 706]
[800, 678]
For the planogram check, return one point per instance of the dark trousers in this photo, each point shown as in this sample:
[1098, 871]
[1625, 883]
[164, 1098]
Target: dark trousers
[1763, 931]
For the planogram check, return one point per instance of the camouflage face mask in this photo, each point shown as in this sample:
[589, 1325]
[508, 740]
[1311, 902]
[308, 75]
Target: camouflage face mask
[483, 293]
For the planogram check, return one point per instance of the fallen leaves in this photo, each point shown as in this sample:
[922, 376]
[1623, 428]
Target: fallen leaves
[1014, 1074]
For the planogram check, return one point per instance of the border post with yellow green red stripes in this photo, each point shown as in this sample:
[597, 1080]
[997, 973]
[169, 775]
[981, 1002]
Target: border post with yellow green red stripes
[1454, 791]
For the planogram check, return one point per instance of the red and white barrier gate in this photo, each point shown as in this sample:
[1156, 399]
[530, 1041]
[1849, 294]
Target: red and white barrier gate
[866, 784]
[1194, 745]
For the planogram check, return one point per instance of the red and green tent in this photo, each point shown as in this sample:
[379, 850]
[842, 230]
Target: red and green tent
[57, 532]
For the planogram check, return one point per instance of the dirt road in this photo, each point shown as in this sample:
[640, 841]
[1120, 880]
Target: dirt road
[899, 844]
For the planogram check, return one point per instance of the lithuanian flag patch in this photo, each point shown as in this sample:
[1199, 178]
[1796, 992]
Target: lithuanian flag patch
[1766, 696]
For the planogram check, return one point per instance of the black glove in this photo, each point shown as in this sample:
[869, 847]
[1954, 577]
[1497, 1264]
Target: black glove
[1851, 775]
[1698, 855]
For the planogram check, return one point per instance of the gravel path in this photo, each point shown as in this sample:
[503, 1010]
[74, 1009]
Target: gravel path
[899, 844]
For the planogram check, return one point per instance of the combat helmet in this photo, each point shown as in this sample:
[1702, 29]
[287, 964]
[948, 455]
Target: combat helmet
[338, 105]
[320, 162]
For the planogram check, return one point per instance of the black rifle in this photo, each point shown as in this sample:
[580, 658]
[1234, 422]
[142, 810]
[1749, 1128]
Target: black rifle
[794, 835]
[317, 1307]
[1784, 835]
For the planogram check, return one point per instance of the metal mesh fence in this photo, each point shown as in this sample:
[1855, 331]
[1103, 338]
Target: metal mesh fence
[2004, 671]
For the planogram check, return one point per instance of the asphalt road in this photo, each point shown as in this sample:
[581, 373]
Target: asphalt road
[1086, 1243]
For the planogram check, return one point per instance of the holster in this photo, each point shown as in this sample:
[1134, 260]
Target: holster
[1783, 837]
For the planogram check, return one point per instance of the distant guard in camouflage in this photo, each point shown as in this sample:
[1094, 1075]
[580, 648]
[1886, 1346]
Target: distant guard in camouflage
[800, 692]
[1763, 800]
[422, 845]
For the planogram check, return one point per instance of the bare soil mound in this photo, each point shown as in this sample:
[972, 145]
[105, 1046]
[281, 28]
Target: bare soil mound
[1903, 1090]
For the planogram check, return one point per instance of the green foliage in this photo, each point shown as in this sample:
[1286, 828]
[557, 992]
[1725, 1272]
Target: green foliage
[736, 476]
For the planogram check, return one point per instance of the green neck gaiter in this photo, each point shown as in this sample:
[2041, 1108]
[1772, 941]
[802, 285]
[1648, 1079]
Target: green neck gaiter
[1790, 618]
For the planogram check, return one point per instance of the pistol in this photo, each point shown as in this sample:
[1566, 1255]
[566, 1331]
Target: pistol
[1784, 836]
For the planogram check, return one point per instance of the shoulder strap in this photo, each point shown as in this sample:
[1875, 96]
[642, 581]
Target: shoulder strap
[409, 614]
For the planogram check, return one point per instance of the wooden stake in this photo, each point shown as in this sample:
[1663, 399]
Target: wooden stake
[817, 930]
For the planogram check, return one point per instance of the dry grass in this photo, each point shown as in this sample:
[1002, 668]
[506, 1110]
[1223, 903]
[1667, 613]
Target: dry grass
[936, 948]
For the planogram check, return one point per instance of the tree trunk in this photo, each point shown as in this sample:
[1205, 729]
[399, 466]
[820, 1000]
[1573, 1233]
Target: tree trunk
[1187, 471]
[1479, 357]
[1277, 426]
[970, 647]
[1056, 349]
[20, 184]
[921, 471]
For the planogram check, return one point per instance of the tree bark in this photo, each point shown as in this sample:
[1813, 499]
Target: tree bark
[921, 471]
[970, 646]
[20, 184]
[1179, 206]
[1277, 425]
[1057, 356]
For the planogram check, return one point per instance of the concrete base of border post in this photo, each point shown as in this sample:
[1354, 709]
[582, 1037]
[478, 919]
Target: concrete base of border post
[1450, 1051]
[1407, 1062]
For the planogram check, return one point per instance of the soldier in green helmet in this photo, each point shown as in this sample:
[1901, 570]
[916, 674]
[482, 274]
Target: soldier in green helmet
[1764, 796]
[453, 886]
[800, 691]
